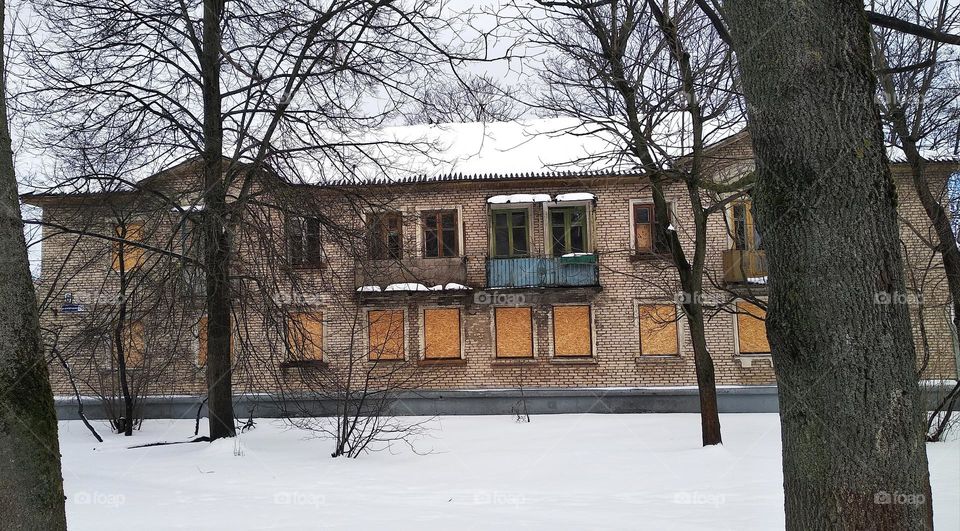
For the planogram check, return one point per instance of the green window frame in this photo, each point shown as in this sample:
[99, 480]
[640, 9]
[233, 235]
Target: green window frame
[568, 230]
[509, 232]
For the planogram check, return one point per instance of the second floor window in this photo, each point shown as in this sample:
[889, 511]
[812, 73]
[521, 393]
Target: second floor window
[649, 236]
[746, 237]
[509, 229]
[440, 234]
[568, 230]
[303, 242]
[127, 256]
[386, 236]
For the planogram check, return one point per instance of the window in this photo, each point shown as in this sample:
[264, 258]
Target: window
[133, 344]
[568, 230]
[385, 332]
[746, 237]
[303, 242]
[658, 330]
[509, 229]
[440, 234]
[202, 342]
[514, 328]
[648, 235]
[751, 329]
[386, 236]
[128, 256]
[305, 335]
[441, 333]
[571, 331]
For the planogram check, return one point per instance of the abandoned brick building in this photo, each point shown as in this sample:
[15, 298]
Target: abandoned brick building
[514, 261]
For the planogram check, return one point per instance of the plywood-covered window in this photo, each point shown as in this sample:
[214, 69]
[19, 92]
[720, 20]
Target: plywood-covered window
[305, 335]
[572, 331]
[202, 341]
[658, 330]
[751, 329]
[514, 331]
[385, 331]
[127, 254]
[134, 344]
[440, 234]
[648, 235]
[386, 236]
[441, 333]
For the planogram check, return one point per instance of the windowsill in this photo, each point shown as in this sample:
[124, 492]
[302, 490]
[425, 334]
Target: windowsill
[386, 360]
[645, 256]
[653, 358]
[514, 362]
[573, 360]
[452, 362]
[304, 364]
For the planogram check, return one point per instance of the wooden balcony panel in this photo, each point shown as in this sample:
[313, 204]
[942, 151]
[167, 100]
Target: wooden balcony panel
[741, 265]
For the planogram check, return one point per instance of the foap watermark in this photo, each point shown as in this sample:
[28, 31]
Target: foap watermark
[896, 297]
[299, 498]
[705, 299]
[496, 497]
[487, 298]
[102, 499]
[898, 498]
[699, 498]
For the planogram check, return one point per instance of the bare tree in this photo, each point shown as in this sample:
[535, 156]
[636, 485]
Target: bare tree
[31, 487]
[478, 98]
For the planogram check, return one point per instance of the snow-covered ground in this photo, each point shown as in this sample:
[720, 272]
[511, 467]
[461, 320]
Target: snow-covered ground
[558, 472]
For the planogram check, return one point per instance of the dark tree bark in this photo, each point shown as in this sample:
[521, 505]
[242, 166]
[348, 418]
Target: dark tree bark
[216, 246]
[31, 488]
[850, 405]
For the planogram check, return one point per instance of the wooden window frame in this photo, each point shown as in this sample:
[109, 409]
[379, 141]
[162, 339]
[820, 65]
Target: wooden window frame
[659, 247]
[678, 314]
[379, 236]
[298, 236]
[496, 334]
[437, 225]
[750, 240]
[403, 331]
[548, 225]
[510, 230]
[590, 326]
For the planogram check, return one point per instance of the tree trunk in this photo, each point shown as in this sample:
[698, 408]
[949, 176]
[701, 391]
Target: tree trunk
[216, 242]
[850, 405]
[127, 427]
[31, 488]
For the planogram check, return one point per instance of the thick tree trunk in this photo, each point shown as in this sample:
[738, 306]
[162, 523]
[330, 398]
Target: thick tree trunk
[31, 488]
[216, 242]
[850, 406]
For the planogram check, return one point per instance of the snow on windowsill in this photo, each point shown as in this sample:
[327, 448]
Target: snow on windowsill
[757, 280]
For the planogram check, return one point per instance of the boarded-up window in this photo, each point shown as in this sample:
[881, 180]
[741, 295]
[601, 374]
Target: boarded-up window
[514, 328]
[441, 333]
[126, 254]
[648, 235]
[202, 341]
[658, 329]
[751, 329]
[133, 344]
[305, 335]
[571, 331]
[386, 334]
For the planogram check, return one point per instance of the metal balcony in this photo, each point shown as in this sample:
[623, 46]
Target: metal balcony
[542, 272]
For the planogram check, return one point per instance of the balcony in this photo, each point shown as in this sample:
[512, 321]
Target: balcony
[542, 272]
[429, 272]
[740, 266]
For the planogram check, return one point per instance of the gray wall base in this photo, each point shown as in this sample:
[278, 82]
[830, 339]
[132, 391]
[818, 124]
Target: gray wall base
[754, 399]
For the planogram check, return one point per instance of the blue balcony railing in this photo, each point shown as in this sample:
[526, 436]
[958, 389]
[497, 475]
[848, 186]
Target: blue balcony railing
[542, 272]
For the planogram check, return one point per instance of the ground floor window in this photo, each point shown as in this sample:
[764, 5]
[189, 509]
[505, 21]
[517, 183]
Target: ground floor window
[658, 330]
[305, 335]
[202, 342]
[751, 329]
[133, 343]
[385, 333]
[441, 333]
[572, 331]
[514, 331]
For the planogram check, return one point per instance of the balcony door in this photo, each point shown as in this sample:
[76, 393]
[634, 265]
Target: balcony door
[510, 233]
[568, 230]
[746, 237]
